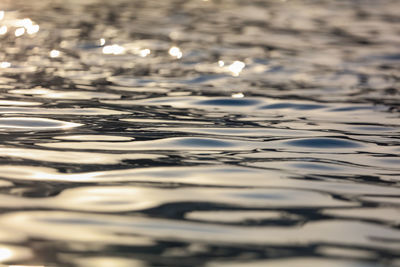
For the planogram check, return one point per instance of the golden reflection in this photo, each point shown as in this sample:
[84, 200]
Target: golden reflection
[18, 103]
[236, 67]
[26, 24]
[19, 32]
[3, 29]
[102, 41]
[14, 253]
[5, 254]
[5, 64]
[34, 123]
[32, 29]
[100, 229]
[73, 157]
[103, 261]
[54, 53]
[96, 137]
[234, 216]
[175, 52]
[113, 49]
[144, 52]
[34, 91]
[237, 95]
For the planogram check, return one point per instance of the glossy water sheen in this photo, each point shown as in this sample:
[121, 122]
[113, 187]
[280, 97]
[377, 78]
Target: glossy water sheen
[199, 133]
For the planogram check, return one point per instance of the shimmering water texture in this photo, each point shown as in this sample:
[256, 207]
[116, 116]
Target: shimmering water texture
[199, 133]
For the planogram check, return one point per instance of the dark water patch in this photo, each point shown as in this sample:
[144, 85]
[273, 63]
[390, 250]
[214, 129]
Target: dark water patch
[293, 106]
[321, 167]
[202, 142]
[228, 102]
[328, 143]
[352, 108]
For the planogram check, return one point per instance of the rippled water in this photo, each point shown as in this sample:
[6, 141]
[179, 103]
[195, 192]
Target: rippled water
[200, 133]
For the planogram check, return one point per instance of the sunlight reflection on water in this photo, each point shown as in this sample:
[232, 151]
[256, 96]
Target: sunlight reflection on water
[199, 133]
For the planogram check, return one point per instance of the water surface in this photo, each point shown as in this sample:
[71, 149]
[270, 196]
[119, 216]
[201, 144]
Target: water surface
[199, 133]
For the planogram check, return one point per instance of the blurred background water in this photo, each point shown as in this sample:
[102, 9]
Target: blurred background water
[199, 133]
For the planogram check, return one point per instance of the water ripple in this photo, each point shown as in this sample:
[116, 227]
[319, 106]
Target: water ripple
[29, 123]
[329, 143]
[199, 133]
